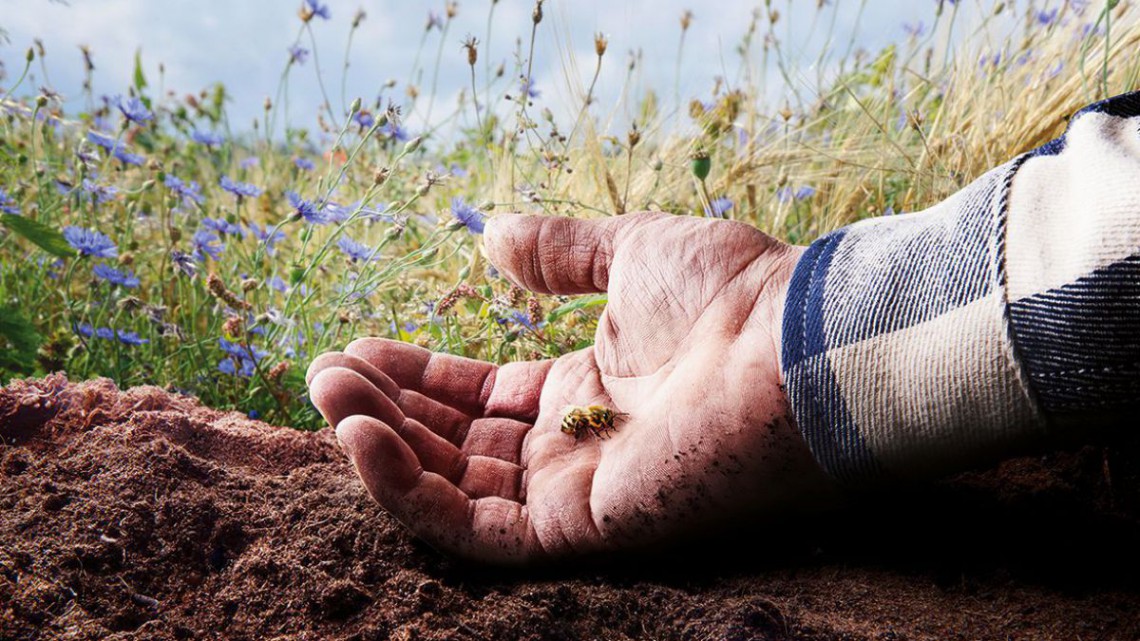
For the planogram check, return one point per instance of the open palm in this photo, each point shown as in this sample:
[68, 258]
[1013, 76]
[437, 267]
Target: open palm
[471, 457]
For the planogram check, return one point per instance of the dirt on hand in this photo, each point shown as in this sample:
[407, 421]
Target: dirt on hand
[144, 515]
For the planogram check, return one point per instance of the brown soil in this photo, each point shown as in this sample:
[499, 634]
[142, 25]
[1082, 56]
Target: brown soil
[143, 515]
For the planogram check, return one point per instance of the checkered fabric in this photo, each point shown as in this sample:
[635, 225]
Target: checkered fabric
[919, 344]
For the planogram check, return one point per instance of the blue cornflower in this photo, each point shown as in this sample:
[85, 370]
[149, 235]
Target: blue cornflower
[187, 190]
[364, 118]
[338, 213]
[207, 243]
[184, 263]
[90, 242]
[784, 194]
[718, 207]
[106, 333]
[394, 131]
[102, 140]
[356, 251]
[249, 163]
[915, 30]
[222, 226]
[305, 209]
[227, 366]
[304, 163]
[278, 283]
[208, 138]
[116, 277]
[100, 193]
[128, 158]
[131, 338]
[526, 86]
[267, 235]
[318, 9]
[471, 218]
[434, 21]
[254, 414]
[1046, 18]
[239, 189]
[522, 318]
[134, 110]
[298, 54]
[85, 330]
[7, 205]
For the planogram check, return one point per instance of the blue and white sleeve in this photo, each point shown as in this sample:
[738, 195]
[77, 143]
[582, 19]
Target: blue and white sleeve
[920, 344]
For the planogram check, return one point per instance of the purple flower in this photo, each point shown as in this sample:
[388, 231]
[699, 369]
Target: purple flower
[7, 205]
[1046, 18]
[207, 243]
[85, 330]
[306, 209]
[187, 190]
[90, 243]
[471, 218]
[915, 30]
[184, 263]
[318, 9]
[100, 193]
[356, 251]
[298, 54]
[304, 163]
[128, 158]
[102, 140]
[526, 86]
[106, 333]
[267, 235]
[239, 189]
[394, 131]
[133, 110]
[718, 207]
[279, 284]
[222, 226]
[249, 163]
[364, 118]
[208, 138]
[131, 338]
[785, 193]
[116, 277]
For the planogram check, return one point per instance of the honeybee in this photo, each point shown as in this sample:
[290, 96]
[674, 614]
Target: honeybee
[595, 419]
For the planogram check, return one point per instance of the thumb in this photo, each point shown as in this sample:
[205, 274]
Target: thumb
[555, 254]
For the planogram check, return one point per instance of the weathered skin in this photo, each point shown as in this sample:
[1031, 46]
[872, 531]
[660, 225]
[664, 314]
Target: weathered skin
[471, 458]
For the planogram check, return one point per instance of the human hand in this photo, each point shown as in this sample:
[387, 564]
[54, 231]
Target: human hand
[470, 456]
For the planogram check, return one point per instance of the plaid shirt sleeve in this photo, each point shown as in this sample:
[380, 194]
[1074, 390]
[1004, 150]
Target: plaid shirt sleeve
[919, 344]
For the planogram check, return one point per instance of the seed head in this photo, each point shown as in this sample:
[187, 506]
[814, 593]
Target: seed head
[634, 137]
[381, 176]
[451, 9]
[686, 20]
[701, 164]
[472, 47]
[536, 16]
[600, 43]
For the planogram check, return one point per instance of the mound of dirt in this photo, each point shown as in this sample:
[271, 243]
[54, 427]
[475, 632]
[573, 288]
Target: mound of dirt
[144, 515]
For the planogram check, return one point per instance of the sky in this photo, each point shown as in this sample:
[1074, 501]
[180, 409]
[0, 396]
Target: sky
[243, 44]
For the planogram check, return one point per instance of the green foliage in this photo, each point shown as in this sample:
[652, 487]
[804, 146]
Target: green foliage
[44, 237]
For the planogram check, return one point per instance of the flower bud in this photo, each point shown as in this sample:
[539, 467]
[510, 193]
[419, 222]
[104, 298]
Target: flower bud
[701, 164]
[355, 106]
[413, 144]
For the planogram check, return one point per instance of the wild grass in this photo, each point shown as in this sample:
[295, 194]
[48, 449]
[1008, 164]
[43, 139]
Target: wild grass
[375, 228]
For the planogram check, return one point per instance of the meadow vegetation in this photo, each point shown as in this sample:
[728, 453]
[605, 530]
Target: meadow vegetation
[141, 241]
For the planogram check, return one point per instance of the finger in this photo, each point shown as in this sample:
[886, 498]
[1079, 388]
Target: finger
[359, 365]
[517, 390]
[556, 254]
[501, 438]
[339, 392]
[442, 419]
[491, 529]
[462, 383]
[486, 476]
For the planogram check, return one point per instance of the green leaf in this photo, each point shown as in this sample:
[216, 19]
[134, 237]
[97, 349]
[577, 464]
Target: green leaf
[46, 238]
[18, 340]
[582, 302]
[140, 79]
